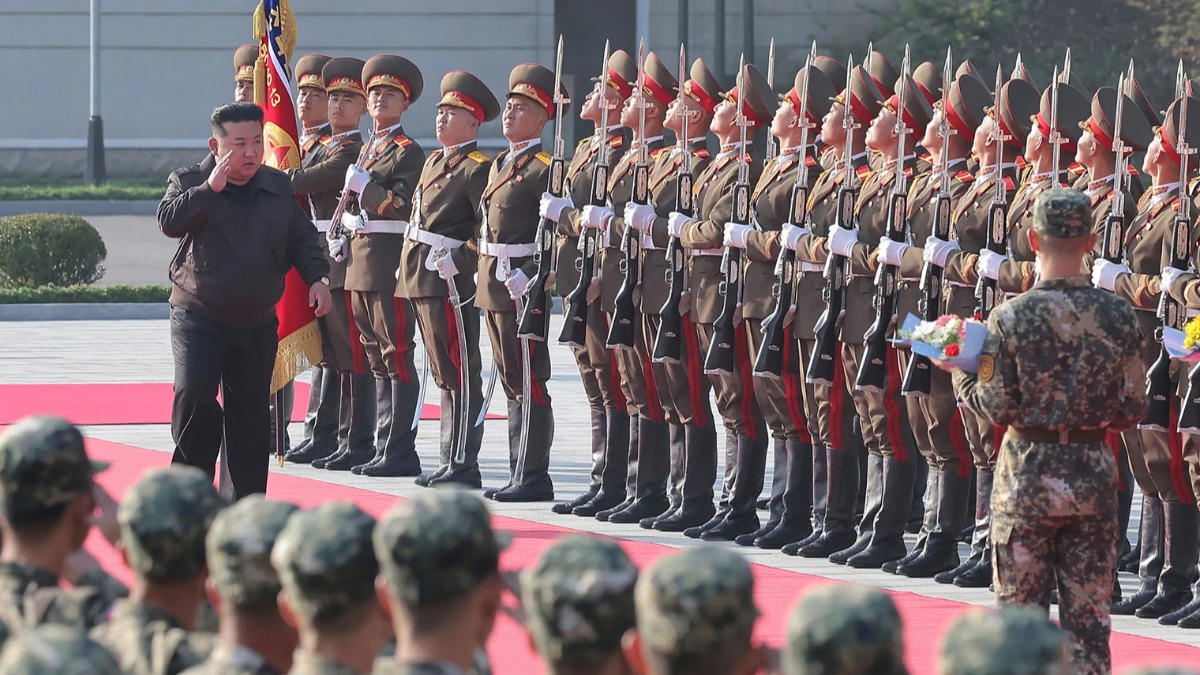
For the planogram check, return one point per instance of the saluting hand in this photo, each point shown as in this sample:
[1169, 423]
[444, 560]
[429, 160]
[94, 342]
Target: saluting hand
[220, 173]
[319, 299]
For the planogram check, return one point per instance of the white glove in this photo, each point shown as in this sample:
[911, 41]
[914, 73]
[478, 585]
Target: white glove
[675, 223]
[842, 241]
[1170, 277]
[337, 247]
[443, 264]
[1105, 273]
[551, 207]
[789, 237]
[639, 216]
[517, 283]
[597, 217]
[891, 251]
[937, 250]
[989, 264]
[356, 179]
[735, 235]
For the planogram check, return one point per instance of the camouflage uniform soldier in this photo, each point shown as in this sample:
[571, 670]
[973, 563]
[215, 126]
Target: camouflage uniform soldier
[579, 604]
[1009, 641]
[440, 559]
[840, 629]
[695, 614]
[1054, 495]
[255, 640]
[56, 650]
[164, 520]
[46, 500]
[327, 570]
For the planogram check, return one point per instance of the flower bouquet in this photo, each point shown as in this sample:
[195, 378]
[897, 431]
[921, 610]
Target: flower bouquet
[950, 338]
[1184, 345]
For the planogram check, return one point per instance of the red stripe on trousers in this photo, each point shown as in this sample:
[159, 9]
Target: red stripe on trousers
[891, 403]
[741, 346]
[653, 405]
[791, 387]
[837, 395]
[1179, 472]
[958, 441]
[614, 374]
[402, 373]
[536, 386]
[358, 356]
[694, 372]
[452, 342]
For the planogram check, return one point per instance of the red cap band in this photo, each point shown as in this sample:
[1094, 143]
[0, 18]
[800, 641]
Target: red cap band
[617, 82]
[1102, 138]
[960, 125]
[697, 93]
[658, 92]
[461, 100]
[1044, 127]
[537, 94]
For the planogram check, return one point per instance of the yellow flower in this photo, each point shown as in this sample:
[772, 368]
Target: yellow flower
[1191, 331]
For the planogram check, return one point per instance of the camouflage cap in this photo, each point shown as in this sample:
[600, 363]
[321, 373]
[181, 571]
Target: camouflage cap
[325, 561]
[42, 465]
[56, 649]
[239, 550]
[844, 629]
[437, 546]
[579, 598]
[1062, 213]
[696, 602]
[1008, 641]
[164, 519]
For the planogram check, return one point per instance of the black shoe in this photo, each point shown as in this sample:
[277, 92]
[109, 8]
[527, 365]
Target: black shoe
[729, 528]
[1163, 604]
[717, 519]
[426, 478]
[320, 463]
[929, 564]
[357, 469]
[783, 534]
[1133, 603]
[467, 478]
[748, 539]
[392, 468]
[685, 519]
[641, 509]
[491, 493]
[825, 545]
[603, 501]
[348, 460]
[524, 493]
[648, 523]
[565, 508]
[1129, 561]
[979, 576]
[840, 557]
[762, 504]
[891, 566]
[1190, 621]
[604, 515]
[306, 453]
[1187, 610]
[813, 536]
[948, 577]
[873, 557]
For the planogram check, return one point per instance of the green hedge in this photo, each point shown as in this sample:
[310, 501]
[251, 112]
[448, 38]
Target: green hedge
[49, 249]
[84, 294]
[18, 190]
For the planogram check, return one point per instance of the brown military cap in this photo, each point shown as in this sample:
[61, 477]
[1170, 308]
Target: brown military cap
[1135, 130]
[397, 72]
[309, 71]
[928, 80]
[967, 68]
[463, 90]
[243, 62]
[536, 82]
[864, 98]
[820, 94]
[1018, 105]
[702, 86]
[344, 74]
[834, 70]
[1149, 110]
[1073, 109]
[882, 72]
[622, 73]
[660, 83]
[1169, 131]
[1020, 72]
[757, 93]
[917, 111]
[969, 101]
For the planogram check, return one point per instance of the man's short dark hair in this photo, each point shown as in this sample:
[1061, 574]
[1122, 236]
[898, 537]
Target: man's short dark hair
[234, 112]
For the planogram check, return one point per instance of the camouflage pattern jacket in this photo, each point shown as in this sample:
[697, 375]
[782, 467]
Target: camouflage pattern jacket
[31, 596]
[148, 641]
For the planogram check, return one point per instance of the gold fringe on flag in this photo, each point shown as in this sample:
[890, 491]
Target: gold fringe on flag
[297, 352]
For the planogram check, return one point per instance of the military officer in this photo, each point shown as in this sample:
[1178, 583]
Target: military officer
[682, 388]
[612, 427]
[1020, 638]
[841, 629]
[383, 187]
[445, 217]
[506, 247]
[703, 236]
[1055, 481]
[244, 59]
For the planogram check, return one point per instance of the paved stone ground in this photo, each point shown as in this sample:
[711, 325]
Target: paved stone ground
[139, 351]
[137, 252]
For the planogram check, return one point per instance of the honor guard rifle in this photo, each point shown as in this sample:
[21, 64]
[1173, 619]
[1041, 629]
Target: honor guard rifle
[824, 359]
[338, 228]
[668, 344]
[769, 363]
[987, 289]
[918, 378]
[1056, 137]
[622, 331]
[574, 330]
[722, 351]
[1160, 389]
[535, 315]
[1114, 225]
[772, 150]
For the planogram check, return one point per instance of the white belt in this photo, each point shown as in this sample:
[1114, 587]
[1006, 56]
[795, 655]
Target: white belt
[435, 241]
[376, 226]
[322, 225]
[808, 268]
[507, 250]
[957, 284]
[706, 252]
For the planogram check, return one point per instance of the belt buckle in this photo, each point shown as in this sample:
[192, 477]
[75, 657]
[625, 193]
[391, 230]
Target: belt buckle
[1063, 436]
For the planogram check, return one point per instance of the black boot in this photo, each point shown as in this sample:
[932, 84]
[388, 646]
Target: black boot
[514, 442]
[465, 472]
[841, 471]
[628, 462]
[649, 473]
[748, 484]
[534, 484]
[872, 503]
[1186, 611]
[980, 542]
[940, 553]
[916, 514]
[616, 459]
[1179, 573]
[887, 534]
[774, 502]
[795, 520]
[599, 434]
[820, 479]
[717, 519]
[1151, 535]
[357, 425]
[364, 453]
[399, 451]
[321, 422]
[700, 471]
[932, 495]
[677, 459]
[447, 430]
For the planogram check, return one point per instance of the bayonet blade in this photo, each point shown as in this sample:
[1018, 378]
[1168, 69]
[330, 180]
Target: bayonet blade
[1056, 138]
[641, 102]
[998, 137]
[771, 65]
[1066, 71]
[559, 101]
[743, 123]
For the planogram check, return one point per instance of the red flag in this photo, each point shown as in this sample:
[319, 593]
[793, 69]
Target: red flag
[275, 27]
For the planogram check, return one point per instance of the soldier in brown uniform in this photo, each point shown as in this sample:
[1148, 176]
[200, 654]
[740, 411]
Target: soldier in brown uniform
[243, 73]
[510, 220]
[959, 258]
[1169, 541]
[682, 388]
[647, 463]
[782, 398]
[745, 429]
[383, 186]
[612, 428]
[343, 411]
[935, 418]
[445, 218]
[831, 405]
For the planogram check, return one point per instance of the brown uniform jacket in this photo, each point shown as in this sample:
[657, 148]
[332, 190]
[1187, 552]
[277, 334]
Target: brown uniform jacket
[922, 207]
[1147, 247]
[395, 165]
[969, 229]
[510, 216]
[1018, 272]
[620, 193]
[319, 180]
[1102, 206]
[579, 188]
[771, 204]
[448, 195]
[664, 187]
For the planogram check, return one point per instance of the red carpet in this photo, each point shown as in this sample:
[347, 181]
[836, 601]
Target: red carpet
[925, 619]
[137, 403]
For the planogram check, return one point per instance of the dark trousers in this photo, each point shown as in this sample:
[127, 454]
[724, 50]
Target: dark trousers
[238, 360]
